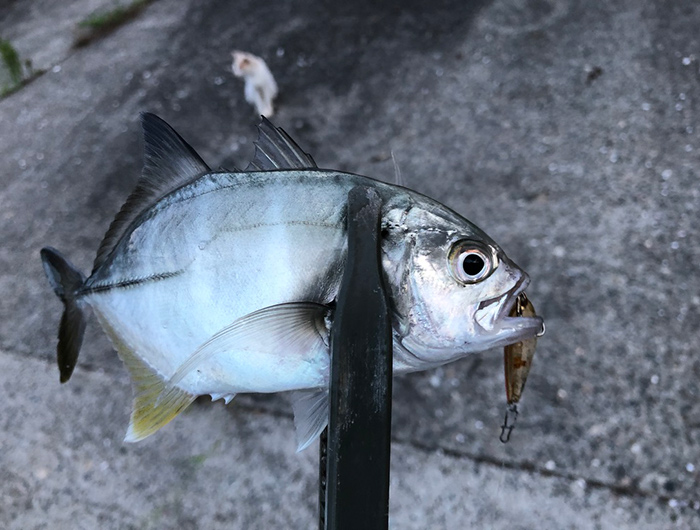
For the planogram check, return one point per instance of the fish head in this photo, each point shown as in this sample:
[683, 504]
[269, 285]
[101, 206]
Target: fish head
[452, 286]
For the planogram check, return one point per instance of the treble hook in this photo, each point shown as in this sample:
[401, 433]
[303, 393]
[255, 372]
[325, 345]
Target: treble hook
[508, 422]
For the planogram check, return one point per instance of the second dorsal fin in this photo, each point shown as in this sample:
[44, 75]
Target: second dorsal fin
[275, 149]
[169, 163]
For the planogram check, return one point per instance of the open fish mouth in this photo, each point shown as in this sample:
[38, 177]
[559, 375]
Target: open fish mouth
[495, 309]
[493, 317]
[511, 297]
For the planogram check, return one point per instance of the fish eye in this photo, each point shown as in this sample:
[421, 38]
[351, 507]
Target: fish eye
[471, 261]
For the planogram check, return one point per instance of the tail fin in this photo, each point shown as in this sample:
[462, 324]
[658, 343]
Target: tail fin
[66, 280]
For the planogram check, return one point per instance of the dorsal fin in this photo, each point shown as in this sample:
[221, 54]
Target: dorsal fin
[275, 149]
[169, 163]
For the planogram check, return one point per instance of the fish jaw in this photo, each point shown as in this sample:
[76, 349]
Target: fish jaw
[515, 329]
[508, 330]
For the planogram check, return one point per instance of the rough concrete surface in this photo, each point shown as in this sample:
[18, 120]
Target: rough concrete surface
[567, 130]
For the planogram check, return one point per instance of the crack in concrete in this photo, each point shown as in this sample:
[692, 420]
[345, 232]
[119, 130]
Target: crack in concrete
[619, 489]
[86, 37]
[525, 466]
[101, 24]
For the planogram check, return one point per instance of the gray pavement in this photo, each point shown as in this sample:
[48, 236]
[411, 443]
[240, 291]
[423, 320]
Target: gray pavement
[567, 130]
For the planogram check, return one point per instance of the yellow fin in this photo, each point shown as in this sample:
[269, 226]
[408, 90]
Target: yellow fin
[154, 404]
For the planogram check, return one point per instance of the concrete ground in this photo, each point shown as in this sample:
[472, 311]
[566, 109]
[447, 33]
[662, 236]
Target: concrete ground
[567, 130]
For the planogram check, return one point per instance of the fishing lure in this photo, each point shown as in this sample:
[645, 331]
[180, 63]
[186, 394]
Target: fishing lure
[517, 361]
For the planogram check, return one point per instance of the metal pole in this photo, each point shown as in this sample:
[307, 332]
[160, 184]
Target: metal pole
[322, 475]
[359, 431]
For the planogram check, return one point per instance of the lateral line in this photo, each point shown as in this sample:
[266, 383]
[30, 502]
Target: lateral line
[99, 288]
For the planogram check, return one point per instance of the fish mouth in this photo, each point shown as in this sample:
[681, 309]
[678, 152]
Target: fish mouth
[493, 318]
[512, 296]
[493, 310]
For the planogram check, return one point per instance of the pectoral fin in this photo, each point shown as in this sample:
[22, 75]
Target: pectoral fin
[297, 327]
[291, 329]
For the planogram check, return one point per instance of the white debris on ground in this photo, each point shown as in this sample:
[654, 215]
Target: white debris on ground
[260, 86]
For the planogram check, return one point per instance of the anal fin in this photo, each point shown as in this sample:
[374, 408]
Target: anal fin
[155, 404]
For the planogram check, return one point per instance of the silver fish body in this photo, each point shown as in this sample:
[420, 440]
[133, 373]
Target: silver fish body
[223, 282]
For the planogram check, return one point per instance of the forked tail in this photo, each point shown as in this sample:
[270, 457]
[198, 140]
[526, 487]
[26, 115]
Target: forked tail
[66, 280]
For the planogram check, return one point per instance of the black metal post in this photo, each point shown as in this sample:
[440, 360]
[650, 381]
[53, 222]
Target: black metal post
[359, 431]
[322, 475]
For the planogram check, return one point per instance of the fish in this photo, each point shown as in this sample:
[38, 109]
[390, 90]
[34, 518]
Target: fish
[222, 282]
[517, 362]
